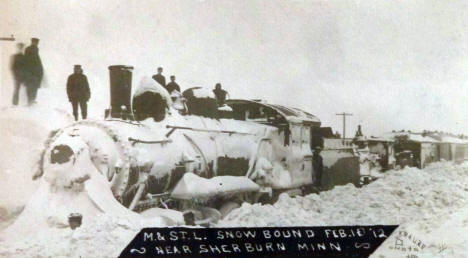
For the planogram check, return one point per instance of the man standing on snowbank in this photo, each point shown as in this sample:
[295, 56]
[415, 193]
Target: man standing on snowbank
[78, 91]
[33, 70]
[17, 67]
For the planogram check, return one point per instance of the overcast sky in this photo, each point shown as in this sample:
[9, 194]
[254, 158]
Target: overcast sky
[393, 64]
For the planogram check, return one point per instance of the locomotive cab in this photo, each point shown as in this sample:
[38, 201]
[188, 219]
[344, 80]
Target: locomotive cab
[294, 125]
[291, 138]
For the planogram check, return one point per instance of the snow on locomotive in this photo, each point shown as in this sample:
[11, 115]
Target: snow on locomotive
[183, 151]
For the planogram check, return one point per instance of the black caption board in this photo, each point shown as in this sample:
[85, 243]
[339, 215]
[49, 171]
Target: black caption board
[337, 241]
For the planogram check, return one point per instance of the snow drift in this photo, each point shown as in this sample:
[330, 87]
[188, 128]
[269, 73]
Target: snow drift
[23, 131]
[431, 205]
[400, 196]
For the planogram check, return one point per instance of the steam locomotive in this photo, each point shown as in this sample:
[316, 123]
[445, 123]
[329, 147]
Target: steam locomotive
[189, 153]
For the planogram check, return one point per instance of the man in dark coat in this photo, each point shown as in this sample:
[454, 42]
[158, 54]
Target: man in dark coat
[17, 68]
[33, 70]
[317, 162]
[170, 87]
[220, 94]
[159, 77]
[78, 91]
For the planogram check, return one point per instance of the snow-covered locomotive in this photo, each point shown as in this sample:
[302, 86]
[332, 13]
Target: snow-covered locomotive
[184, 151]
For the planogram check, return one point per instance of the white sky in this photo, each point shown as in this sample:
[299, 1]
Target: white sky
[396, 64]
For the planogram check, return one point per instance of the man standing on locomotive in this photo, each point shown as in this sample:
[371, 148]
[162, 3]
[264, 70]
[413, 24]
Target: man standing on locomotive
[172, 86]
[220, 94]
[78, 92]
[159, 77]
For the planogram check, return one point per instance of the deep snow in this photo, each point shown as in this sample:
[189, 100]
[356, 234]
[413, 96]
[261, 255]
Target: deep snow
[22, 136]
[430, 204]
[399, 196]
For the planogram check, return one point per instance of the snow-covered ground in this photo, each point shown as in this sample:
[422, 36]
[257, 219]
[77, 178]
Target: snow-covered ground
[23, 131]
[444, 235]
[105, 236]
[398, 197]
[430, 204]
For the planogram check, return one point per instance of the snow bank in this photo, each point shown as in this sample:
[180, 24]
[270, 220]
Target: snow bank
[105, 236]
[23, 131]
[441, 236]
[398, 197]
[431, 205]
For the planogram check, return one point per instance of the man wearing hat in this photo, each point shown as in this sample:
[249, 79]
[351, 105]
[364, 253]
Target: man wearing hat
[159, 77]
[17, 67]
[33, 70]
[317, 164]
[220, 94]
[78, 91]
[172, 86]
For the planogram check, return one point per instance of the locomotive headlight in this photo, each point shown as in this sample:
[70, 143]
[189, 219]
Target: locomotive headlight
[64, 163]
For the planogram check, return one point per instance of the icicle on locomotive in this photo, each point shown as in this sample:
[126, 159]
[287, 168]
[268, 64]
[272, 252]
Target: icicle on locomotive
[183, 152]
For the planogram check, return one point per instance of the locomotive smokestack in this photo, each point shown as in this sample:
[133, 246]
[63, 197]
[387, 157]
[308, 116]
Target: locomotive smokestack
[120, 90]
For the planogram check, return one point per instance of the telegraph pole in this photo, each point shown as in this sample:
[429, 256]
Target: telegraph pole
[344, 114]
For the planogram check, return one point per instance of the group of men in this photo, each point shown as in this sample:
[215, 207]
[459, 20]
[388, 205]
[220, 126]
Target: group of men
[27, 69]
[172, 86]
